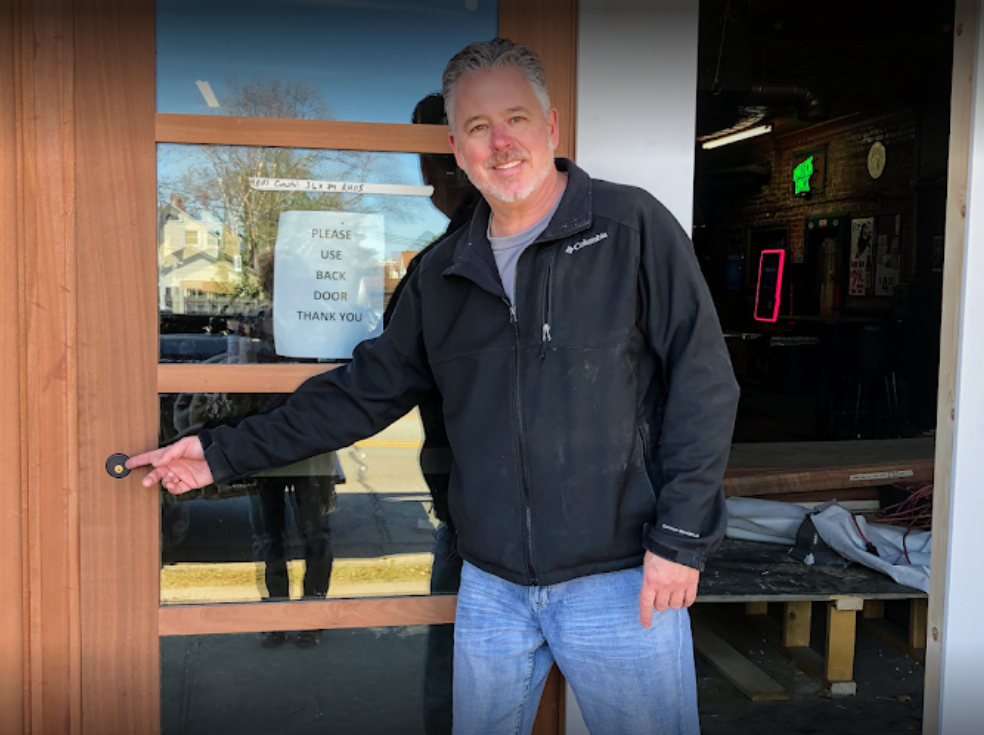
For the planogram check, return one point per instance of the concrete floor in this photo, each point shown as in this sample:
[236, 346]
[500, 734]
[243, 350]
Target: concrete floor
[371, 682]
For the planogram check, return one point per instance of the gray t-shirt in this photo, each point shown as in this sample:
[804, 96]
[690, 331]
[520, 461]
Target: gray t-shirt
[508, 249]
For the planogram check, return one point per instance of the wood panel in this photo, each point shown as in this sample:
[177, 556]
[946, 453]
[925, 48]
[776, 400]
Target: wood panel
[745, 483]
[117, 350]
[329, 614]
[961, 125]
[551, 717]
[549, 27]
[188, 378]
[13, 659]
[320, 134]
[803, 467]
[47, 289]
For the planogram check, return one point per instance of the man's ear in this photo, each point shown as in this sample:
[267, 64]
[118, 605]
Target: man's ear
[553, 125]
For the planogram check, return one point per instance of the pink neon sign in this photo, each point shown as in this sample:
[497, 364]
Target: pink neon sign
[769, 288]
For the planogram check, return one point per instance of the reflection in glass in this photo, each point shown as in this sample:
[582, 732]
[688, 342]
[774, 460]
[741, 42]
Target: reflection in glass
[357, 682]
[217, 238]
[359, 523]
[314, 59]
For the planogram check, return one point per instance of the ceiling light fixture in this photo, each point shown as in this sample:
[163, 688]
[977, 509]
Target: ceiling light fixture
[735, 137]
[206, 89]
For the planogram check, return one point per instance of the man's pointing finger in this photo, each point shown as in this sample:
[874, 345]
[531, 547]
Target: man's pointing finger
[144, 459]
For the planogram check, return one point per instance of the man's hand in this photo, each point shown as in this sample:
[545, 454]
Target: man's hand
[180, 467]
[665, 584]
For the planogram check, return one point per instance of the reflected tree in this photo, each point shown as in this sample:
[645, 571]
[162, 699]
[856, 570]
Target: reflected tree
[216, 179]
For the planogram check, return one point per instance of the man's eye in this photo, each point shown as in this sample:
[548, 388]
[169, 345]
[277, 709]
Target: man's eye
[517, 119]
[479, 128]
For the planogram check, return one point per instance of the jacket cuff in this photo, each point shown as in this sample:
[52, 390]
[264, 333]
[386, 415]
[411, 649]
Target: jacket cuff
[218, 465]
[661, 546]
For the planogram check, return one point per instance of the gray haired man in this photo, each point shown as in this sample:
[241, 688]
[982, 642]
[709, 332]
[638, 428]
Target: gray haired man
[589, 403]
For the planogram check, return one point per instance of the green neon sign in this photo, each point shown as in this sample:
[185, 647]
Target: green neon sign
[801, 176]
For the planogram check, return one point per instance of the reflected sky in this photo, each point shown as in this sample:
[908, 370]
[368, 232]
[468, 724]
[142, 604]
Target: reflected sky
[370, 61]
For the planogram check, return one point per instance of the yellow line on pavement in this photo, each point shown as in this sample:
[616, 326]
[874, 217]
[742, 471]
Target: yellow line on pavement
[389, 444]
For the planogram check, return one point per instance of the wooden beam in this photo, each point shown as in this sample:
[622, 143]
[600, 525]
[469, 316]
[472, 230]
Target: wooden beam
[917, 623]
[748, 678]
[13, 651]
[873, 609]
[289, 133]
[273, 378]
[757, 608]
[797, 618]
[117, 354]
[809, 661]
[745, 482]
[307, 615]
[961, 125]
[841, 632]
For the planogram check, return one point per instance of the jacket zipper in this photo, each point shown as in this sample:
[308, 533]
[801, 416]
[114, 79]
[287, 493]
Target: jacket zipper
[521, 447]
[545, 332]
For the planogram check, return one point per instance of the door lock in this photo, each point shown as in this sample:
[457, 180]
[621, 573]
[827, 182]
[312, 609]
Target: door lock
[116, 466]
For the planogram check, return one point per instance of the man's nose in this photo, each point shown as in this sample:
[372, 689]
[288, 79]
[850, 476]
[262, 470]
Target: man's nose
[501, 137]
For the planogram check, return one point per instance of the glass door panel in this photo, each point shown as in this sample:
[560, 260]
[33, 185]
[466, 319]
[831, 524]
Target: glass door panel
[219, 217]
[324, 541]
[355, 523]
[344, 682]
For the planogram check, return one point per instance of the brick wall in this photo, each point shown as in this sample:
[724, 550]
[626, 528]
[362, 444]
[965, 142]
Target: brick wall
[849, 188]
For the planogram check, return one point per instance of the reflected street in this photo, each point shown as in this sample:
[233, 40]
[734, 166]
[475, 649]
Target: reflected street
[381, 532]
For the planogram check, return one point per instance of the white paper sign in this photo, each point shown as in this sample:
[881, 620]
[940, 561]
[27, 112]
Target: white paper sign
[327, 283]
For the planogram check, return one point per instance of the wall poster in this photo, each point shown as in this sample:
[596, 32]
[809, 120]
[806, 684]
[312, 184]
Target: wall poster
[888, 266]
[328, 283]
[862, 266]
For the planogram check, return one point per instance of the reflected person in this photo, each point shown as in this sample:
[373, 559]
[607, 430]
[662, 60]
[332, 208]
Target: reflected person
[309, 488]
[456, 198]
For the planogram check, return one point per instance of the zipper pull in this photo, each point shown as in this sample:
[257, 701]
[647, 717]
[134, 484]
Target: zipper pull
[512, 310]
[544, 341]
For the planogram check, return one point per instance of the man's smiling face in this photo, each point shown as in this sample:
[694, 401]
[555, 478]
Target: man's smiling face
[501, 138]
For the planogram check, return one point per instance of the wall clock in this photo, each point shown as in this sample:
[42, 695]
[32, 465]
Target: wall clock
[876, 160]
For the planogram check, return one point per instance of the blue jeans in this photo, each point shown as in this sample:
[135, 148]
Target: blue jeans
[628, 680]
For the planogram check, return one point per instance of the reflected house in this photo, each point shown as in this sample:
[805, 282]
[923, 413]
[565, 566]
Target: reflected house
[395, 268]
[201, 266]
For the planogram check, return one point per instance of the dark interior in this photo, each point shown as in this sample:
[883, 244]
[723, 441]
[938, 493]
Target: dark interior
[846, 86]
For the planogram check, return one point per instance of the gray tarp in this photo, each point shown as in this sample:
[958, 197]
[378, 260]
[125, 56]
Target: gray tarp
[776, 522]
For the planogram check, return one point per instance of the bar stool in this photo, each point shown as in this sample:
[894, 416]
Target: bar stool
[870, 363]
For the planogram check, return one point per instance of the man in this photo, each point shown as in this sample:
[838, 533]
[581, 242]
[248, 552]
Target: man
[589, 403]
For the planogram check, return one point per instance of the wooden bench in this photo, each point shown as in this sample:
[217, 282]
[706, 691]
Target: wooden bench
[758, 575]
[787, 468]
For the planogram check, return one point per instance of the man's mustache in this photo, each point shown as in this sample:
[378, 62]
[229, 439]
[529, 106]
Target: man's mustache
[500, 159]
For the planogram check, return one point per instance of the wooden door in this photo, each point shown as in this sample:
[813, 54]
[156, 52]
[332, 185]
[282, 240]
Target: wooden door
[79, 130]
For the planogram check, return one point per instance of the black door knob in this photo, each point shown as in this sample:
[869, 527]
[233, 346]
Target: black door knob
[116, 466]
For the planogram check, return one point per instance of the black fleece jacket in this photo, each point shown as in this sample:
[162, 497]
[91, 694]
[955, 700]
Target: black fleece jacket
[589, 421]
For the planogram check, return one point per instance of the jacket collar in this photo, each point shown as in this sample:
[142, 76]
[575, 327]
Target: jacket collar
[473, 258]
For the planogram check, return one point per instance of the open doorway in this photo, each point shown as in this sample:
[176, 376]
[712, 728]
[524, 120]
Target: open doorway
[823, 134]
